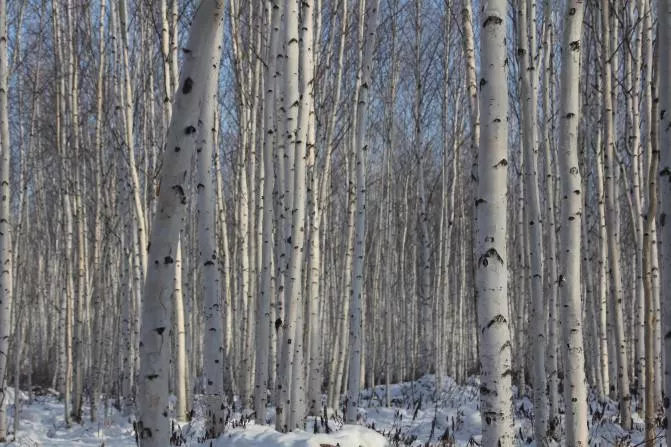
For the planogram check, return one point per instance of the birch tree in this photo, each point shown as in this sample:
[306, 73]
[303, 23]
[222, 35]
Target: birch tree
[263, 316]
[490, 251]
[210, 282]
[364, 74]
[611, 227]
[292, 345]
[534, 222]
[575, 392]
[6, 288]
[201, 62]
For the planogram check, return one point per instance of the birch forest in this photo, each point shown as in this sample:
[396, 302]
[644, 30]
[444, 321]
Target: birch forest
[335, 222]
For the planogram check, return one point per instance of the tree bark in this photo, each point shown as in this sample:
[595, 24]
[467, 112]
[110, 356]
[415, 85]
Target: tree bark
[5, 227]
[490, 251]
[367, 35]
[264, 318]
[534, 223]
[575, 392]
[201, 63]
[611, 227]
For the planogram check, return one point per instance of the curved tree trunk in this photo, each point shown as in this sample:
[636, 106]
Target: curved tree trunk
[201, 64]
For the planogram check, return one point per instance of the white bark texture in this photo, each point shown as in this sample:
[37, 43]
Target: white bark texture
[612, 230]
[210, 282]
[575, 391]
[201, 63]
[490, 251]
[263, 316]
[534, 224]
[551, 246]
[312, 322]
[180, 339]
[291, 365]
[362, 92]
[5, 227]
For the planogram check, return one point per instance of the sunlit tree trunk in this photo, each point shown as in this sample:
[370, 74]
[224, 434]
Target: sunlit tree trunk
[267, 292]
[201, 64]
[292, 343]
[310, 11]
[490, 251]
[210, 282]
[180, 339]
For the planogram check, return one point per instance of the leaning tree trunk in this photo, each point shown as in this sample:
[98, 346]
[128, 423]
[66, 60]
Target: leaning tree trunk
[201, 64]
[490, 251]
[5, 227]
[575, 391]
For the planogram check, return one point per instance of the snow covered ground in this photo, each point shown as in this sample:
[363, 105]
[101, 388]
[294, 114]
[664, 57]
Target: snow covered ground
[418, 415]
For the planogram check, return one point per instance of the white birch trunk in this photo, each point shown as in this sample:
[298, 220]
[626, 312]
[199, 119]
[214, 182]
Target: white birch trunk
[201, 63]
[364, 74]
[5, 227]
[180, 339]
[315, 356]
[291, 367]
[490, 251]
[575, 391]
[605, 359]
[226, 274]
[471, 80]
[611, 227]
[210, 276]
[130, 142]
[334, 385]
[534, 227]
[551, 247]
[263, 317]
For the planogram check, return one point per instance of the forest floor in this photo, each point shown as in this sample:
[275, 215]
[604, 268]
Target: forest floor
[418, 415]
